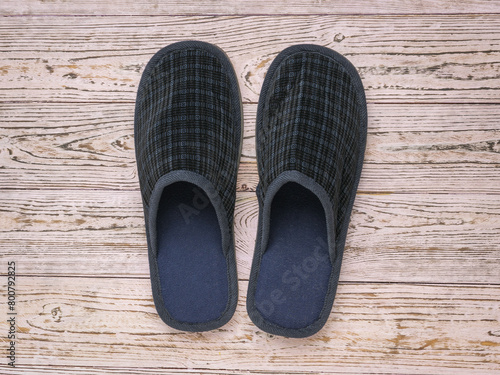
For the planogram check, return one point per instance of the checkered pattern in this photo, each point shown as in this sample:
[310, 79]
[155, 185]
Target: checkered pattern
[185, 122]
[310, 124]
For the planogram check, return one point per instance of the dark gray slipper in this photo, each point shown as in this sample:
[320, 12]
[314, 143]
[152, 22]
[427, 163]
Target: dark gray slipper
[311, 137]
[187, 139]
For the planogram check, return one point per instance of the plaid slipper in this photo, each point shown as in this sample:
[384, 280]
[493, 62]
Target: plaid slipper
[187, 139]
[311, 136]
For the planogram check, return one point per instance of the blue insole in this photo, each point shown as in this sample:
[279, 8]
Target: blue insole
[191, 263]
[295, 268]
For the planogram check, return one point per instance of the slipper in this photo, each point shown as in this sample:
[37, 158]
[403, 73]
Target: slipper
[311, 137]
[188, 124]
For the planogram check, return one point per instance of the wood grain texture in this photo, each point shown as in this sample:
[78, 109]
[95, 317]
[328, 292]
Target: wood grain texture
[420, 281]
[411, 148]
[154, 7]
[428, 58]
[412, 329]
[392, 238]
[91, 370]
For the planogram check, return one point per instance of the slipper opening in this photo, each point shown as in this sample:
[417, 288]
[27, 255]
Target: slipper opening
[295, 269]
[191, 264]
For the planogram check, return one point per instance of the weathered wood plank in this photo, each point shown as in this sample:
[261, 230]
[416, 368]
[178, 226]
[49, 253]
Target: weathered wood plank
[103, 369]
[411, 329]
[409, 178]
[434, 238]
[427, 214]
[411, 148]
[426, 58]
[152, 7]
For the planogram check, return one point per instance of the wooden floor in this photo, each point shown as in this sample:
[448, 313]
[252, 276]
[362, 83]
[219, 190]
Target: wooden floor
[420, 282]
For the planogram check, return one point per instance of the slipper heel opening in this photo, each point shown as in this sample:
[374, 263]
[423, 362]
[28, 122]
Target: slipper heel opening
[192, 267]
[295, 269]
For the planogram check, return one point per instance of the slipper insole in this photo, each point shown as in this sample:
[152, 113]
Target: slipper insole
[295, 268]
[191, 263]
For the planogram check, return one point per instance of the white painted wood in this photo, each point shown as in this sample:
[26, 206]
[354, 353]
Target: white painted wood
[411, 148]
[419, 291]
[427, 58]
[392, 237]
[373, 328]
[168, 7]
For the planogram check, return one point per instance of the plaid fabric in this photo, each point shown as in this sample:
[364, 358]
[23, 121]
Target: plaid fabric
[310, 123]
[184, 121]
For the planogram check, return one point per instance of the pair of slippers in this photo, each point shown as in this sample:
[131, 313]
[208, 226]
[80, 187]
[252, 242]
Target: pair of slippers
[310, 142]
